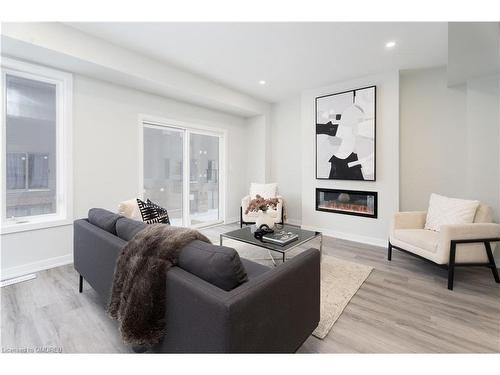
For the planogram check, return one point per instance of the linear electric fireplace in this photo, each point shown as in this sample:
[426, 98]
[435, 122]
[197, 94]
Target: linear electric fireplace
[347, 202]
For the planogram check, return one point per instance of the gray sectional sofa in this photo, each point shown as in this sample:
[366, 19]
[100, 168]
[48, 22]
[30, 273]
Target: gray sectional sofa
[217, 302]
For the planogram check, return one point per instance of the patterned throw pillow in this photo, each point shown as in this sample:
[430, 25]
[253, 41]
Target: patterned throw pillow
[443, 210]
[152, 213]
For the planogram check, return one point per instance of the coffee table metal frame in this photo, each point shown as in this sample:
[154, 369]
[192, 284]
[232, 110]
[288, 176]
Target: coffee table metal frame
[233, 235]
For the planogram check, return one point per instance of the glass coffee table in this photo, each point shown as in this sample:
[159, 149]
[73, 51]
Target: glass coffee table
[246, 235]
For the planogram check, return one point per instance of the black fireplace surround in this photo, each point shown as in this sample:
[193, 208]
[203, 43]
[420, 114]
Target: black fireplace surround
[347, 202]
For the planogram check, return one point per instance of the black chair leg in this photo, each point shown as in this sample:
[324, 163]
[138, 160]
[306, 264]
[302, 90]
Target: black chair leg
[241, 217]
[491, 259]
[389, 252]
[80, 287]
[451, 265]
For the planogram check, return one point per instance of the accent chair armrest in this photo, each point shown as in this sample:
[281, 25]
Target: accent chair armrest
[245, 201]
[479, 231]
[473, 251]
[408, 220]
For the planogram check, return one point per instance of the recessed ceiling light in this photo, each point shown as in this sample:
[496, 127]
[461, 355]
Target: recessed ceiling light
[262, 82]
[390, 44]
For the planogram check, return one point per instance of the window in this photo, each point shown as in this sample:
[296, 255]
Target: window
[27, 170]
[192, 196]
[36, 152]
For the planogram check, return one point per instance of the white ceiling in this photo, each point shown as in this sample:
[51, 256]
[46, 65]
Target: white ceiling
[290, 57]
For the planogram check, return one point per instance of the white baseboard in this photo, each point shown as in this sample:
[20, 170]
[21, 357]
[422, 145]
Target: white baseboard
[231, 220]
[17, 280]
[9, 273]
[348, 236]
[237, 220]
[294, 222]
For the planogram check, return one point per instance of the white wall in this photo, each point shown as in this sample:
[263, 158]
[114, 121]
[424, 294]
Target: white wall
[449, 139]
[483, 169]
[473, 51]
[105, 154]
[286, 154]
[106, 145]
[432, 135]
[256, 142]
[356, 228]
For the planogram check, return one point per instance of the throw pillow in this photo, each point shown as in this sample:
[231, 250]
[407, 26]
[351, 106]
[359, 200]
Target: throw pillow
[152, 213]
[130, 209]
[264, 190]
[444, 210]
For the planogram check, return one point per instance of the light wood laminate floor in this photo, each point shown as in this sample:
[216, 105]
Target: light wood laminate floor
[403, 307]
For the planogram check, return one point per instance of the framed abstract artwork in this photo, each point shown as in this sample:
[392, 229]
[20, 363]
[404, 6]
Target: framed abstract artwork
[345, 135]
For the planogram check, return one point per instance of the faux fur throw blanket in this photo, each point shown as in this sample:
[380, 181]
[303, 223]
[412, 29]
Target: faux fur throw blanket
[138, 297]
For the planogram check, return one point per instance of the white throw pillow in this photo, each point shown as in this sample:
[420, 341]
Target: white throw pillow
[444, 210]
[264, 190]
[130, 209]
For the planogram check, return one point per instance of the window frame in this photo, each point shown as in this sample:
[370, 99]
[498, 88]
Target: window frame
[64, 189]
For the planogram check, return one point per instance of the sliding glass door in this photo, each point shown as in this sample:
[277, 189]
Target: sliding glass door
[204, 178]
[163, 169]
[181, 172]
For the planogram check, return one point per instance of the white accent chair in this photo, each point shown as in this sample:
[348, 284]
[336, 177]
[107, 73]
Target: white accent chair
[265, 191]
[455, 245]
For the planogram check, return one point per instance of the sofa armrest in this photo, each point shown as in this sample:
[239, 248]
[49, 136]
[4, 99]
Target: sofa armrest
[278, 310]
[274, 312]
[95, 252]
[196, 315]
[408, 220]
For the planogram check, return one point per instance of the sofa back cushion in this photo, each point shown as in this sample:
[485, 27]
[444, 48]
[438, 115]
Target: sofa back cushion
[127, 228]
[103, 219]
[219, 265]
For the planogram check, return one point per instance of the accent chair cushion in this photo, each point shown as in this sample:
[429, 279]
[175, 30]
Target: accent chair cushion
[218, 265]
[103, 219]
[422, 238]
[264, 190]
[127, 228]
[443, 210]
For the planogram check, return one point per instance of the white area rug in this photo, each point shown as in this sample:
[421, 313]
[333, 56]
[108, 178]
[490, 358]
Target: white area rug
[340, 280]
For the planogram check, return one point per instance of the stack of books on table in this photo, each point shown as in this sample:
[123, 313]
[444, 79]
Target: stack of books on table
[280, 237]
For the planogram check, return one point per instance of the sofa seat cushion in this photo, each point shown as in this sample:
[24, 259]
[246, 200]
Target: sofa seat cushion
[421, 238]
[103, 219]
[127, 228]
[219, 265]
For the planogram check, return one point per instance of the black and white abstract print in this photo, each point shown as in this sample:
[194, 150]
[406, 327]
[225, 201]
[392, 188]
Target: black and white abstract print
[345, 135]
